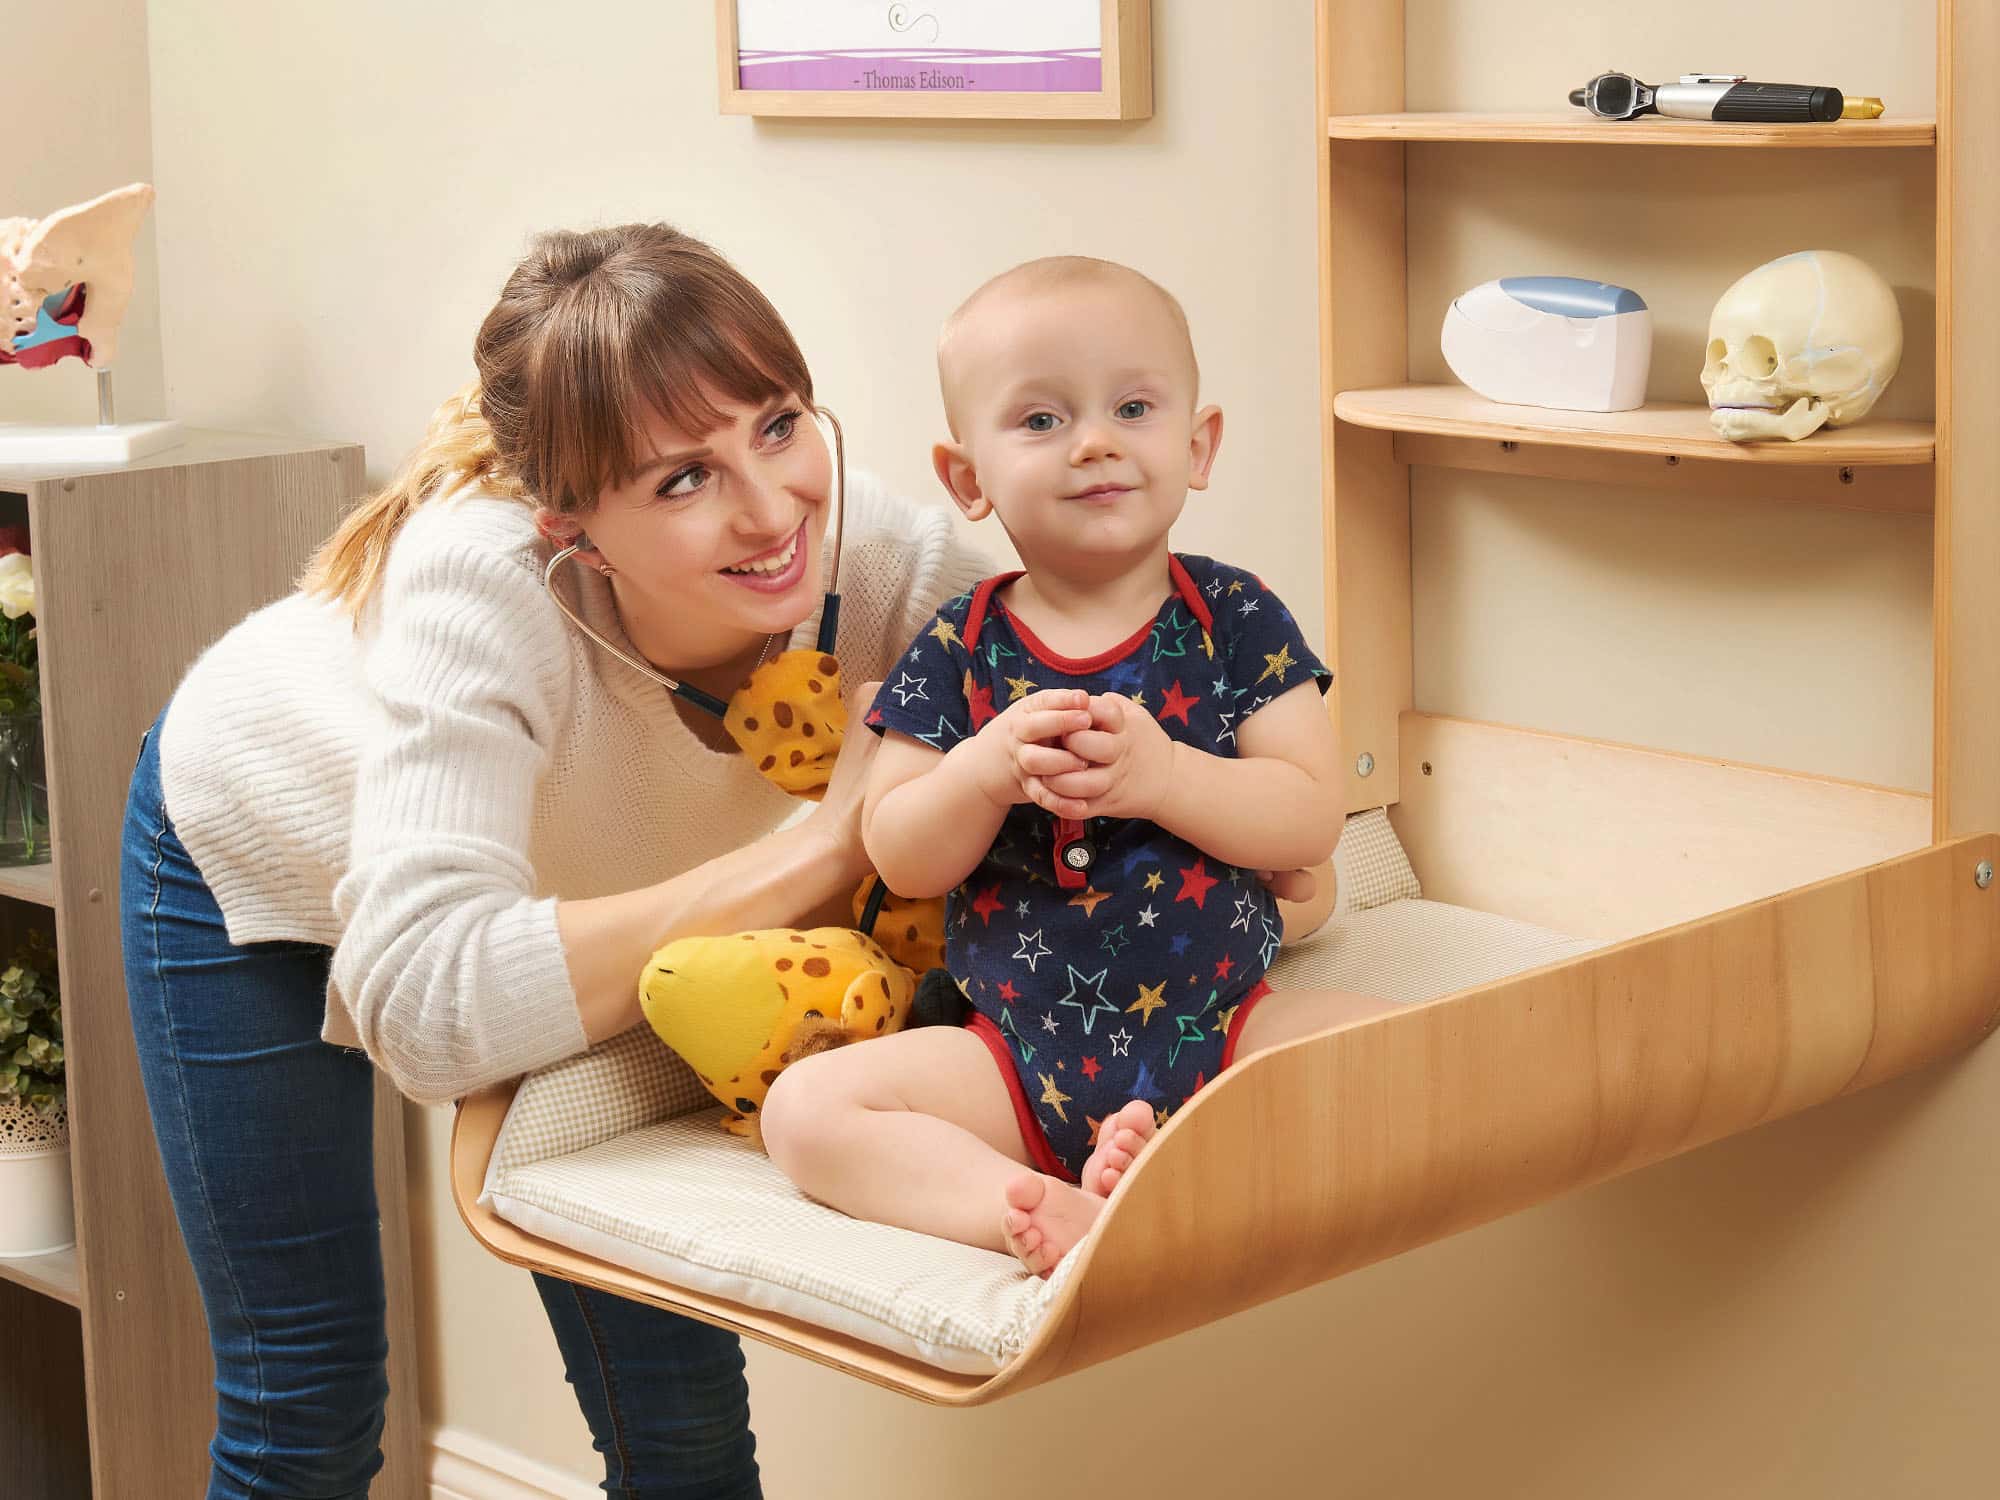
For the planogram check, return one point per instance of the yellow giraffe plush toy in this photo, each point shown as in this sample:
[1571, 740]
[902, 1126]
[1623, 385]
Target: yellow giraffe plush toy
[740, 1008]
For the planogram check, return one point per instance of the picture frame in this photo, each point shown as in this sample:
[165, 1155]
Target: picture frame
[936, 59]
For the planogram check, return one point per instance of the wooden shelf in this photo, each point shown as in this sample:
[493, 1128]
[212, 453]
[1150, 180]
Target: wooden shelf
[36, 883]
[1662, 428]
[51, 1275]
[1577, 128]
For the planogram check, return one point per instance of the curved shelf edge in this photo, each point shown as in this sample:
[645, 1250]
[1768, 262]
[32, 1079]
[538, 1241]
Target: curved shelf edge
[1575, 128]
[1661, 428]
[1514, 1092]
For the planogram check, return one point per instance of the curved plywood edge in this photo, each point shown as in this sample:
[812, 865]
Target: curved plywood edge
[473, 1136]
[1358, 1144]
[1660, 428]
[1346, 1148]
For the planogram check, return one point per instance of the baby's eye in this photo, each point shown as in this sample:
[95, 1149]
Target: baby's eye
[1134, 409]
[1041, 421]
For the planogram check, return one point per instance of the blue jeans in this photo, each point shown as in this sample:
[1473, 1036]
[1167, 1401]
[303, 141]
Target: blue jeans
[265, 1131]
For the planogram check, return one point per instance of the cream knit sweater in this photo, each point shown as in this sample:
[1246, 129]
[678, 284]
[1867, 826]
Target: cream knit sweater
[418, 793]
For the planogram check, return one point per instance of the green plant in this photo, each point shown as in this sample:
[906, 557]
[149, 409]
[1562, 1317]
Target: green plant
[31, 1032]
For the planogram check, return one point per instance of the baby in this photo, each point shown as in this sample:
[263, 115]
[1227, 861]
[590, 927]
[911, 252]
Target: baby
[1096, 757]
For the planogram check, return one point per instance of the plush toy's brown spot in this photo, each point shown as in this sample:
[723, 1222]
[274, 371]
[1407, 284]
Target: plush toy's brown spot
[749, 937]
[883, 980]
[806, 729]
[770, 1076]
[892, 1012]
[767, 762]
[798, 757]
[911, 932]
[819, 968]
[795, 937]
[829, 666]
[782, 712]
[784, 964]
[880, 1022]
[751, 725]
[814, 685]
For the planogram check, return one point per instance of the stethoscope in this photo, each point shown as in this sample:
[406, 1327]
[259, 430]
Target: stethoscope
[829, 619]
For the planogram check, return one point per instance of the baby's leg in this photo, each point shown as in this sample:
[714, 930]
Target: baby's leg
[916, 1130]
[1286, 1015]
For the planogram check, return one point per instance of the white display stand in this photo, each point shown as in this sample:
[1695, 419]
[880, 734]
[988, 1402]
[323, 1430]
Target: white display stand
[119, 443]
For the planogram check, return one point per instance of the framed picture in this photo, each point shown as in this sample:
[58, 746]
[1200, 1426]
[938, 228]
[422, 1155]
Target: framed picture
[965, 59]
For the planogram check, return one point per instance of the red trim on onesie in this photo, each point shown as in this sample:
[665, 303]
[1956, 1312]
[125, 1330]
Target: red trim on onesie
[1040, 1153]
[1243, 1008]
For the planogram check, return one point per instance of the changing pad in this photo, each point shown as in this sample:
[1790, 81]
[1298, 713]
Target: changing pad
[619, 1153]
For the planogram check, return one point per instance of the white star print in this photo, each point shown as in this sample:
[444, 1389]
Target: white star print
[914, 690]
[1040, 952]
[1249, 607]
[1120, 1040]
[1021, 909]
[1214, 588]
[1246, 908]
[1225, 734]
[1048, 1022]
[1148, 917]
[1271, 941]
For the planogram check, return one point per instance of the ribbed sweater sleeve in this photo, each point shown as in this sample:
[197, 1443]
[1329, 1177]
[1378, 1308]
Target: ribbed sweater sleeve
[450, 968]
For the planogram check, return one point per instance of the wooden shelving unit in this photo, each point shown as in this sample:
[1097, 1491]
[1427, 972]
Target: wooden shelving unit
[51, 1275]
[1577, 128]
[35, 884]
[1659, 428]
[137, 570]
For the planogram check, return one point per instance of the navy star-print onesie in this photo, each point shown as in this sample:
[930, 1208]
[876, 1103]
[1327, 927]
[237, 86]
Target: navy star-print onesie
[1108, 961]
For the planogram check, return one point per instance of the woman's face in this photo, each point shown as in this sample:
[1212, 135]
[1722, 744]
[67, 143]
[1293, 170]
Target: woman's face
[715, 542]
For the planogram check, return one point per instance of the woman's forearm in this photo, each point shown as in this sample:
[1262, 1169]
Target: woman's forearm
[1262, 813]
[930, 832]
[794, 877]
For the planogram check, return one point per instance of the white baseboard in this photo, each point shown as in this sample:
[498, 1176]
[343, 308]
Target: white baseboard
[465, 1467]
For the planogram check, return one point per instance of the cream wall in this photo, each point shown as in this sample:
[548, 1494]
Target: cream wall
[1786, 1315]
[75, 129]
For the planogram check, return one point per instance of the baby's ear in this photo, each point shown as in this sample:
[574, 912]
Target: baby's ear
[961, 480]
[1203, 444]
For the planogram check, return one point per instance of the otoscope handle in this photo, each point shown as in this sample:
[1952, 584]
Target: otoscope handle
[1746, 103]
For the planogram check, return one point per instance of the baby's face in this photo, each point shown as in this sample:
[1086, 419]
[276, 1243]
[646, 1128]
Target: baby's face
[1075, 406]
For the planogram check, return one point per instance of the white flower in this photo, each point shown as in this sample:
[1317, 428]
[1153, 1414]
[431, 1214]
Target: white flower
[17, 585]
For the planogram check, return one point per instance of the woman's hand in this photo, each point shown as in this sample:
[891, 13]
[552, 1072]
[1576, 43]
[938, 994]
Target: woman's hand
[839, 810]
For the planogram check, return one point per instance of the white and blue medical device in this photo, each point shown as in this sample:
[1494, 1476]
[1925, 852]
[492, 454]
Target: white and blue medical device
[1551, 341]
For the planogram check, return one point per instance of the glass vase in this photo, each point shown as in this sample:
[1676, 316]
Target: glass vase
[24, 791]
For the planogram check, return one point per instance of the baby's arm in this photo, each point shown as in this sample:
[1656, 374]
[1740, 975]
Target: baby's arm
[1275, 806]
[930, 816]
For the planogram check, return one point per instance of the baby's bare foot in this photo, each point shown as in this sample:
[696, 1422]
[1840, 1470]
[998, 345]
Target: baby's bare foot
[1119, 1140]
[1045, 1219]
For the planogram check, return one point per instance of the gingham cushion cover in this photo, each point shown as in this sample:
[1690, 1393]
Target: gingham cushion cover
[618, 1153]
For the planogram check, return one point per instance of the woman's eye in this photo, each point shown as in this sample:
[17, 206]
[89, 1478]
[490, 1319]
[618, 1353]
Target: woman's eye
[1131, 411]
[782, 426]
[684, 482]
[1041, 421]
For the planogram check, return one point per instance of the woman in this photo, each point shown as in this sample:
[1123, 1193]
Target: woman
[410, 809]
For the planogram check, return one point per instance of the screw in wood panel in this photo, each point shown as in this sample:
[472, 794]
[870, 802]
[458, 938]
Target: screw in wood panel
[95, 894]
[1508, 445]
[1982, 875]
[1365, 764]
[1427, 768]
[68, 485]
[1673, 460]
[1847, 473]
